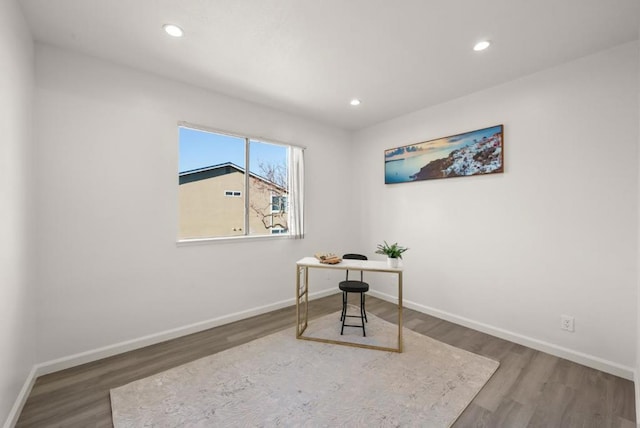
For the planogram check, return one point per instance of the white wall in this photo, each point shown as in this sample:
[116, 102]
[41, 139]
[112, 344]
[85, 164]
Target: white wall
[17, 318]
[555, 234]
[107, 150]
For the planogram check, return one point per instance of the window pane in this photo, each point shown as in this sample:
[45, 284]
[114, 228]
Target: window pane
[267, 188]
[211, 182]
[278, 204]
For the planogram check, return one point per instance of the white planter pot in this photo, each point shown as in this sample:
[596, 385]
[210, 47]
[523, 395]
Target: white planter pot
[393, 263]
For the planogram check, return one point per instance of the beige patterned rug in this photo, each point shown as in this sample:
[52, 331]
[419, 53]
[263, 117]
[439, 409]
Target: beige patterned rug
[281, 381]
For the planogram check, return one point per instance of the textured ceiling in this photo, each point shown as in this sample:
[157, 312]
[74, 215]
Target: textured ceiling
[310, 57]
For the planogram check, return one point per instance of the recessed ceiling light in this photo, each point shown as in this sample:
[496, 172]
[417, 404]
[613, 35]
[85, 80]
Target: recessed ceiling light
[355, 102]
[173, 30]
[480, 46]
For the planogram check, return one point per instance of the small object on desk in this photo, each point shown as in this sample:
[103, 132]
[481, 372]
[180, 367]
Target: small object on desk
[328, 258]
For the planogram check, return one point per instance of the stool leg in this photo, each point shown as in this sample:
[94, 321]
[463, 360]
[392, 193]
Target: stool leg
[343, 318]
[364, 309]
[362, 314]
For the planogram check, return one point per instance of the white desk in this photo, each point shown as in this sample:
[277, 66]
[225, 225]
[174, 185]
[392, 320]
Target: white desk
[302, 295]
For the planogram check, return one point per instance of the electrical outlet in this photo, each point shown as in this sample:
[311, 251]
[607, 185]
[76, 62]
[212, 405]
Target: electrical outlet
[567, 323]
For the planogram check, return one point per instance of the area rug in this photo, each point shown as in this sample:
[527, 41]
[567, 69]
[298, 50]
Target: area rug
[279, 380]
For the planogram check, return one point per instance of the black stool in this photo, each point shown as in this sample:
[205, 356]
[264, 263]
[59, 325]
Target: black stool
[353, 286]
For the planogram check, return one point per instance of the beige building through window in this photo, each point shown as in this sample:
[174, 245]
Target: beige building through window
[212, 203]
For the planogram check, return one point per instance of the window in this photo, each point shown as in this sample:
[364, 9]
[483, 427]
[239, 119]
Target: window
[278, 203]
[234, 186]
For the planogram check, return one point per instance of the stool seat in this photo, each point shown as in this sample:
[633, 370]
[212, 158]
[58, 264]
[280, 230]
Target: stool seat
[353, 286]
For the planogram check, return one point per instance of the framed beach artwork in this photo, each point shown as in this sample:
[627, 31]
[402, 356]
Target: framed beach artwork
[472, 153]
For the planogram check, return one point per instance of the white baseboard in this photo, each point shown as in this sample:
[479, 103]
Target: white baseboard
[540, 345]
[15, 411]
[152, 339]
[41, 369]
[129, 345]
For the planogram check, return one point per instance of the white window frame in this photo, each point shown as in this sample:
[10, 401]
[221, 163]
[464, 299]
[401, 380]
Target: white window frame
[248, 139]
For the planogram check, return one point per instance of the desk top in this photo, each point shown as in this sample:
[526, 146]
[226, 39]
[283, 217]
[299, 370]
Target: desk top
[366, 265]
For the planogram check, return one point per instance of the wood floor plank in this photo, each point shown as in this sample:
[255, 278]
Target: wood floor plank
[475, 416]
[533, 377]
[554, 405]
[511, 414]
[495, 391]
[529, 389]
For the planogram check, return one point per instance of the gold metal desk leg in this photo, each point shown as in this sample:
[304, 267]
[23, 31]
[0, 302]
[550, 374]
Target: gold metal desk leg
[297, 301]
[400, 311]
[302, 307]
[306, 297]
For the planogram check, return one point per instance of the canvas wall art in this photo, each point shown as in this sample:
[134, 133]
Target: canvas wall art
[471, 153]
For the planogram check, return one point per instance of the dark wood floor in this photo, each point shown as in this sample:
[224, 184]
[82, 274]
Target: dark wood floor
[530, 389]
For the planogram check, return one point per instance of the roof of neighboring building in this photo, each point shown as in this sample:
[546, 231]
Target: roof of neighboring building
[218, 170]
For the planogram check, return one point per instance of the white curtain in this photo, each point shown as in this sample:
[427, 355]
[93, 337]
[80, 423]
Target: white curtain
[296, 192]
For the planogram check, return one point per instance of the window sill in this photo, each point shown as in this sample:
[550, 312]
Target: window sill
[227, 239]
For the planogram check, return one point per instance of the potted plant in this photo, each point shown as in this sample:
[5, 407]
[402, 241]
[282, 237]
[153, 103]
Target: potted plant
[393, 253]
